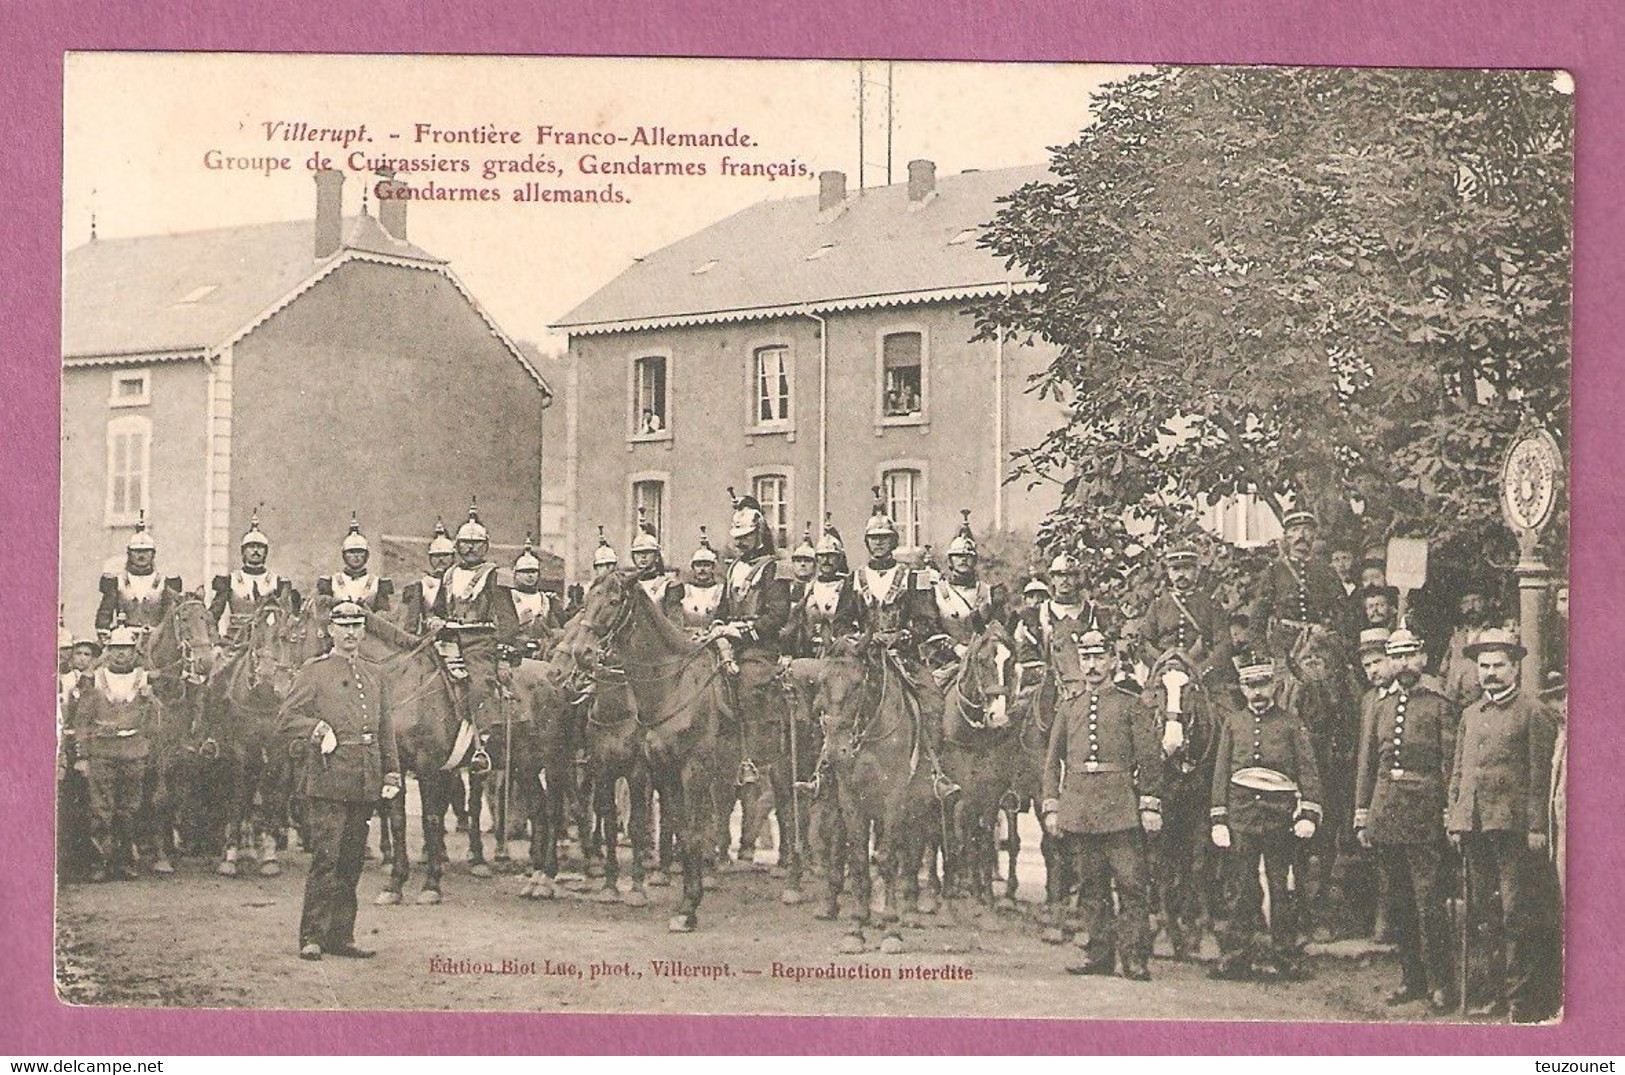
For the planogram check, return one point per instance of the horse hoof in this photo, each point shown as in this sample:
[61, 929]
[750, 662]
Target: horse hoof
[910, 920]
[542, 889]
[927, 903]
[709, 883]
[607, 894]
[790, 897]
[680, 923]
[163, 866]
[595, 868]
[852, 944]
[386, 898]
[827, 912]
[270, 868]
[1053, 935]
[226, 869]
[1006, 904]
[657, 879]
[892, 945]
[479, 869]
[636, 898]
[428, 895]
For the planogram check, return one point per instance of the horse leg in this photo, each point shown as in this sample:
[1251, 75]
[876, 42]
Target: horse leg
[277, 790]
[605, 804]
[393, 846]
[788, 808]
[857, 864]
[437, 790]
[1012, 844]
[476, 813]
[638, 824]
[682, 791]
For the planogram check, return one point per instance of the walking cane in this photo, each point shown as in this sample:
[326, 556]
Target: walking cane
[1462, 932]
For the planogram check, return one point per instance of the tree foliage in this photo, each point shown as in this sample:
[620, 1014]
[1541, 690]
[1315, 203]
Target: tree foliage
[1317, 284]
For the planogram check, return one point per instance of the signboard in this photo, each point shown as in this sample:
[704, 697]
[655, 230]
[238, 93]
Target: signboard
[1529, 481]
[1407, 563]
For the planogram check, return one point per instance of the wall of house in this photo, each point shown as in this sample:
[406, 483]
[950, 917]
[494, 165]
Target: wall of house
[90, 543]
[710, 443]
[380, 390]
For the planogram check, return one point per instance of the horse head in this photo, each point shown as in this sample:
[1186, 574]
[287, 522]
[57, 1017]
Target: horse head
[986, 682]
[1175, 692]
[180, 648]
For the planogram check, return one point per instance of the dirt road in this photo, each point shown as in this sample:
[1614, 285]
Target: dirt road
[196, 939]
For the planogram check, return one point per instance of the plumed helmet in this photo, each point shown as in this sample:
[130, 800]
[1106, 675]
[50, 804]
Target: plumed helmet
[88, 641]
[647, 540]
[1037, 586]
[473, 529]
[440, 544]
[964, 542]
[747, 515]
[806, 550]
[880, 524]
[354, 541]
[141, 540]
[604, 554]
[1092, 643]
[122, 635]
[1374, 640]
[829, 542]
[705, 554]
[347, 614]
[255, 536]
[1064, 563]
[527, 561]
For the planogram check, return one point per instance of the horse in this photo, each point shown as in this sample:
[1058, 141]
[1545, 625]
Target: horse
[874, 745]
[981, 752]
[177, 655]
[676, 685]
[432, 740]
[240, 718]
[615, 741]
[1187, 720]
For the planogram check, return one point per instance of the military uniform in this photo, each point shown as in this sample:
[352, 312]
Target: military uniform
[1265, 781]
[1195, 623]
[700, 605]
[828, 613]
[366, 589]
[417, 602]
[241, 593]
[1407, 745]
[139, 601]
[1103, 768]
[340, 787]
[1500, 784]
[115, 717]
[480, 621]
[1292, 596]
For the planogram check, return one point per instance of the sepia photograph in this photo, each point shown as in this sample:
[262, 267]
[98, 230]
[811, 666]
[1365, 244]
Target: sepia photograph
[814, 537]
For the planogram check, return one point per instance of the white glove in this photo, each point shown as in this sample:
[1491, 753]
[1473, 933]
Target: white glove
[392, 785]
[1303, 828]
[1173, 737]
[323, 733]
[1151, 821]
[1221, 836]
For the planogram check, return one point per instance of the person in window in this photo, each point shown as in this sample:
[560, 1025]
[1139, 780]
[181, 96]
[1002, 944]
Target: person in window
[651, 421]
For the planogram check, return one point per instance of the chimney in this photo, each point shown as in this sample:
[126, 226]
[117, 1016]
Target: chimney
[922, 180]
[391, 203]
[329, 212]
[831, 190]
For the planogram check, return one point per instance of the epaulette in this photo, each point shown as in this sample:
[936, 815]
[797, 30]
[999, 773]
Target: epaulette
[922, 580]
[386, 587]
[1129, 687]
[109, 584]
[324, 585]
[221, 583]
[172, 582]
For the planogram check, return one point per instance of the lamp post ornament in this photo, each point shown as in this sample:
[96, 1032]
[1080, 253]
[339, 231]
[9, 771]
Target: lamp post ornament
[1531, 481]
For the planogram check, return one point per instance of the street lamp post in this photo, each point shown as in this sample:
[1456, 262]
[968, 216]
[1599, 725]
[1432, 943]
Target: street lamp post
[1531, 479]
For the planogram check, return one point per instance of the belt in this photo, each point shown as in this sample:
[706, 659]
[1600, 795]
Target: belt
[1102, 767]
[365, 740]
[121, 733]
[1404, 774]
[1259, 778]
[485, 625]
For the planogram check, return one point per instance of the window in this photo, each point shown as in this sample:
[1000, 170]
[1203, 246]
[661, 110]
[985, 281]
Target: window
[129, 454]
[904, 489]
[649, 495]
[130, 388]
[772, 491]
[771, 377]
[902, 376]
[650, 416]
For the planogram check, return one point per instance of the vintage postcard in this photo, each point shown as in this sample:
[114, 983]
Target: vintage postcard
[813, 537]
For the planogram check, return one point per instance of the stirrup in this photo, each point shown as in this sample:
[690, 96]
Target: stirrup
[479, 762]
[942, 787]
[748, 774]
[812, 786]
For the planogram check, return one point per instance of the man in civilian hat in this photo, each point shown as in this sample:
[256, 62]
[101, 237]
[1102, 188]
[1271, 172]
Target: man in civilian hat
[1101, 787]
[1185, 617]
[355, 582]
[1366, 886]
[1474, 615]
[1499, 787]
[1266, 804]
[1296, 592]
[115, 717]
[340, 708]
[1407, 745]
[137, 597]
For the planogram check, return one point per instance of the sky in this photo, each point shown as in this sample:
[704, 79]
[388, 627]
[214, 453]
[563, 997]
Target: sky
[139, 127]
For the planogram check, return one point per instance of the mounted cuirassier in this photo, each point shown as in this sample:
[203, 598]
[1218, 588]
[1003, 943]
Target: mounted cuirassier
[650, 562]
[533, 607]
[418, 596]
[472, 618]
[242, 592]
[964, 602]
[356, 583]
[1186, 618]
[830, 611]
[138, 597]
[803, 565]
[702, 594]
[604, 557]
[1064, 611]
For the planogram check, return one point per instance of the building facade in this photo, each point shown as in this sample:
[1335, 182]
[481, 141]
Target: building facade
[304, 369]
[806, 351]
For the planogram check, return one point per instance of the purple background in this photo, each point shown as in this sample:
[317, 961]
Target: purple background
[1583, 36]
